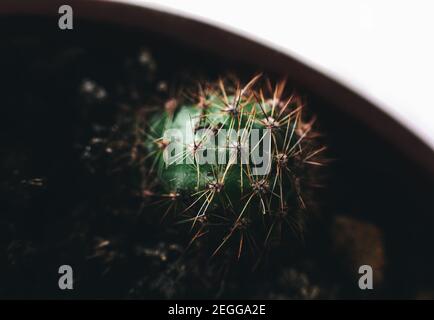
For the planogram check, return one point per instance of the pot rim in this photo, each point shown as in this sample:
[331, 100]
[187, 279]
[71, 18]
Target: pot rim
[215, 39]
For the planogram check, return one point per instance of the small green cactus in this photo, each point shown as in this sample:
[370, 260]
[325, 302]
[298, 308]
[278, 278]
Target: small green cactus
[235, 161]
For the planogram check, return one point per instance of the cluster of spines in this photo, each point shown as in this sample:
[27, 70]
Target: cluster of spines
[277, 196]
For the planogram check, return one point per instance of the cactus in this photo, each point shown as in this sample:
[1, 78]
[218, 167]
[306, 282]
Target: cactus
[235, 163]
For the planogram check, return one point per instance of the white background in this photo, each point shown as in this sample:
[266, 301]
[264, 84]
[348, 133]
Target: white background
[383, 50]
